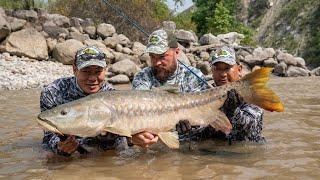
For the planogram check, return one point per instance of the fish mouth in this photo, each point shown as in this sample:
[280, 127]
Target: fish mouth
[48, 125]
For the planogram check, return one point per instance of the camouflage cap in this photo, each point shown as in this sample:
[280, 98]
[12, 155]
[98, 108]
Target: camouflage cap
[224, 54]
[160, 41]
[90, 56]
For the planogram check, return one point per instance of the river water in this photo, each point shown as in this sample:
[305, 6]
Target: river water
[292, 150]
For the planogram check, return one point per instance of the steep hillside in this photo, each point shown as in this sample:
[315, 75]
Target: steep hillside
[287, 24]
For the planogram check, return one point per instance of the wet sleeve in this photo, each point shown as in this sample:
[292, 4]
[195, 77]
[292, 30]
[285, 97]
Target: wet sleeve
[196, 83]
[247, 123]
[46, 100]
[50, 140]
[141, 81]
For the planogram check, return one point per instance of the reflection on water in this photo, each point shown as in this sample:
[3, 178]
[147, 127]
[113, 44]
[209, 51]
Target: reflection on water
[292, 150]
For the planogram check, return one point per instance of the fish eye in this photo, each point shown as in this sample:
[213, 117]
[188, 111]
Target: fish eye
[63, 112]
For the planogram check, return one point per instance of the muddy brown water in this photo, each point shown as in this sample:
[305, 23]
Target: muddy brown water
[292, 150]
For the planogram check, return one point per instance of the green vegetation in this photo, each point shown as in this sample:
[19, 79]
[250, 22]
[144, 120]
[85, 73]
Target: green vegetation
[219, 16]
[183, 21]
[148, 13]
[23, 4]
[312, 51]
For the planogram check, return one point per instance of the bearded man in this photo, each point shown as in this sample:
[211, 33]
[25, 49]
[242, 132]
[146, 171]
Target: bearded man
[165, 70]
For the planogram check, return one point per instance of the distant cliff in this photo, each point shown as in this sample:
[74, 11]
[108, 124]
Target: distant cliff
[292, 25]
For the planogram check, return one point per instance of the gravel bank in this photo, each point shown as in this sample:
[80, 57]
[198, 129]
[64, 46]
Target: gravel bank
[24, 73]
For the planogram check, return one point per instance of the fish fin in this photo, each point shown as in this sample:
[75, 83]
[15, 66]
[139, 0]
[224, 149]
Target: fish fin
[169, 88]
[221, 122]
[259, 94]
[170, 139]
[118, 131]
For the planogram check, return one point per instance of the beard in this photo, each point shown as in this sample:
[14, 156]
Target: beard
[163, 73]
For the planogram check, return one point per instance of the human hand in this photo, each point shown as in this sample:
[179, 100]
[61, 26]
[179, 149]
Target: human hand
[69, 146]
[183, 127]
[144, 139]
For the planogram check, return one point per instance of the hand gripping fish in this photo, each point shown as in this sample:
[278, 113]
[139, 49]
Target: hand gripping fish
[129, 112]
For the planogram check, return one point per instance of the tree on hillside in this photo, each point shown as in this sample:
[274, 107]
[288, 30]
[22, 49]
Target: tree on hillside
[218, 16]
[149, 14]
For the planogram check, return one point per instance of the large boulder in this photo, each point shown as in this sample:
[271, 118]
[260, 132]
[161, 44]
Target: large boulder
[232, 38]
[138, 48]
[119, 79]
[111, 41]
[271, 62]
[91, 31]
[126, 67]
[29, 15]
[27, 42]
[209, 39]
[4, 28]
[78, 36]
[59, 20]
[53, 30]
[16, 24]
[301, 62]
[123, 40]
[280, 69]
[316, 71]
[105, 30]
[294, 71]
[287, 58]
[65, 52]
[185, 36]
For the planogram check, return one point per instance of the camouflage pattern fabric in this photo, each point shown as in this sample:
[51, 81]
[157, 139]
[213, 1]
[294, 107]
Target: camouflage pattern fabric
[62, 91]
[188, 82]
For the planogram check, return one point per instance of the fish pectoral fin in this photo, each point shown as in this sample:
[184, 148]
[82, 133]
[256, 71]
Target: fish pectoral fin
[118, 131]
[171, 139]
[221, 122]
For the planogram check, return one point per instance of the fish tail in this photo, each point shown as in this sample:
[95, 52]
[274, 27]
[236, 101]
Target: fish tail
[254, 90]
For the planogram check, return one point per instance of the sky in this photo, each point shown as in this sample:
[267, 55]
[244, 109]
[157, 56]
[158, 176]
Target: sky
[186, 5]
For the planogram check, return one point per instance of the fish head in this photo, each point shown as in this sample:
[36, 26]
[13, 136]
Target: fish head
[81, 118]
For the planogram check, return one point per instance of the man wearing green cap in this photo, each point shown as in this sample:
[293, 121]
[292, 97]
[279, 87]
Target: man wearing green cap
[246, 119]
[89, 68]
[165, 70]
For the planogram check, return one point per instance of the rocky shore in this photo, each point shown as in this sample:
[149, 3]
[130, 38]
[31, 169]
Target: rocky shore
[37, 48]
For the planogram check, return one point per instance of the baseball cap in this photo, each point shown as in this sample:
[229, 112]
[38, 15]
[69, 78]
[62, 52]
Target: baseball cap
[224, 54]
[89, 56]
[160, 41]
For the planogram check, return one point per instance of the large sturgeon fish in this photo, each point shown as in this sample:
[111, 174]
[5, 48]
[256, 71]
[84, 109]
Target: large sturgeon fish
[129, 112]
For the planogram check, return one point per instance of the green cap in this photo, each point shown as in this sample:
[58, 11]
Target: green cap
[90, 56]
[225, 54]
[160, 41]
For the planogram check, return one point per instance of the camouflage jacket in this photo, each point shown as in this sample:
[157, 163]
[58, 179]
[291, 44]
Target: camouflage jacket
[188, 82]
[246, 120]
[62, 91]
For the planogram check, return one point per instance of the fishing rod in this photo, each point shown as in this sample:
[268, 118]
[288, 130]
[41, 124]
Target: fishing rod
[141, 29]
